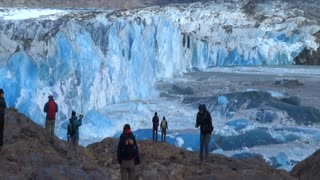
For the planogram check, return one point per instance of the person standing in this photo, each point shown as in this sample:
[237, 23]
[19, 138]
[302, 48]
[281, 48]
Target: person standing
[74, 125]
[51, 108]
[204, 120]
[3, 107]
[155, 123]
[164, 127]
[127, 154]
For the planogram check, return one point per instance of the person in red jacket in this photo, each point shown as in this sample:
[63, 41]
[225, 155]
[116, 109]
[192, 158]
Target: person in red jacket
[51, 108]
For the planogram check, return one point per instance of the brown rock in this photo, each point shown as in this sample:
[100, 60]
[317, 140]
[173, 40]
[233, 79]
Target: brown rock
[29, 155]
[308, 169]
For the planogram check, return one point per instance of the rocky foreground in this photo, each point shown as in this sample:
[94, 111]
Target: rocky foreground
[28, 155]
[308, 168]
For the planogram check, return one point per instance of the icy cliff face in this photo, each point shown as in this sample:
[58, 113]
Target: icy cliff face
[89, 59]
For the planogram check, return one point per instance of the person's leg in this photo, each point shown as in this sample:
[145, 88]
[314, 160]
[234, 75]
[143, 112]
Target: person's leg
[157, 135]
[127, 169]
[70, 142]
[153, 135]
[164, 134]
[52, 123]
[123, 172]
[50, 129]
[1, 131]
[201, 146]
[47, 128]
[206, 145]
[76, 147]
[131, 170]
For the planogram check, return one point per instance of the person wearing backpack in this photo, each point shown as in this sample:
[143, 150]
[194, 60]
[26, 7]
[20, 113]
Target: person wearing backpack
[127, 154]
[3, 107]
[73, 133]
[155, 123]
[51, 108]
[164, 127]
[204, 120]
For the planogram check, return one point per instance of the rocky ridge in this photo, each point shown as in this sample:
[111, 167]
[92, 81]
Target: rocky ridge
[28, 155]
[308, 168]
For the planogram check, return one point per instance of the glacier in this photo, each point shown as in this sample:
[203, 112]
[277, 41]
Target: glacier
[106, 64]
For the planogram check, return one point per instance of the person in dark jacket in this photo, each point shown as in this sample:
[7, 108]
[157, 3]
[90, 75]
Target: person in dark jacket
[3, 107]
[155, 125]
[51, 108]
[75, 123]
[127, 154]
[204, 120]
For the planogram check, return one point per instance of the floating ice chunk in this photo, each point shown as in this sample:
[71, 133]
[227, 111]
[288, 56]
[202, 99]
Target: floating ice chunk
[282, 159]
[218, 151]
[179, 142]
[239, 124]
[276, 94]
[251, 89]
[222, 100]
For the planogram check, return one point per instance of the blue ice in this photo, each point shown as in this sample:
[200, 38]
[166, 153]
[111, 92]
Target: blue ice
[239, 124]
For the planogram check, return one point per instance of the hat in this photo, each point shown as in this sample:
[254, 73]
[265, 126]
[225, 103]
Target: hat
[73, 113]
[1, 91]
[50, 96]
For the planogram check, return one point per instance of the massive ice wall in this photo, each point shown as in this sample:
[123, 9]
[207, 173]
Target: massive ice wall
[89, 59]
[85, 64]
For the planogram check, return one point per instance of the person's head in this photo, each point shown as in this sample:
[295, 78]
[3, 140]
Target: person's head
[164, 118]
[1, 92]
[73, 113]
[126, 128]
[155, 113]
[50, 97]
[202, 108]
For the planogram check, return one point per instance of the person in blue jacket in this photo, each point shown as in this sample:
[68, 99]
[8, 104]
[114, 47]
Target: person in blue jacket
[73, 132]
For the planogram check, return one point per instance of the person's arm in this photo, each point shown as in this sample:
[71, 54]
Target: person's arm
[197, 122]
[45, 108]
[137, 155]
[157, 121]
[119, 150]
[80, 121]
[77, 122]
[56, 107]
[210, 121]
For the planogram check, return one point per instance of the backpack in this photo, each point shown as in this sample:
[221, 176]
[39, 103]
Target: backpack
[70, 128]
[163, 124]
[206, 126]
[128, 148]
